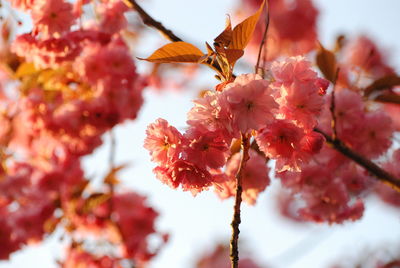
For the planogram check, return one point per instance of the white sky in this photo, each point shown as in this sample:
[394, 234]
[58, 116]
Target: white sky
[197, 224]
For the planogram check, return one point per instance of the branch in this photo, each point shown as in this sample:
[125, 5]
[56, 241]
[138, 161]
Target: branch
[149, 21]
[332, 107]
[264, 37]
[234, 250]
[370, 166]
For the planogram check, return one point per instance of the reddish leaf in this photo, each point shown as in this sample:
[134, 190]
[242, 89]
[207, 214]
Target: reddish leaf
[25, 69]
[111, 177]
[326, 62]
[225, 37]
[340, 41]
[235, 147]
[233, 55]
[95, 200]
[50, 224]
[385, 82]
[176, 52]
[243, 32]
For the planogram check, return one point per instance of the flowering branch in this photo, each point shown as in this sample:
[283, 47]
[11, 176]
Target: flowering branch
[379, 173]
[234, 252]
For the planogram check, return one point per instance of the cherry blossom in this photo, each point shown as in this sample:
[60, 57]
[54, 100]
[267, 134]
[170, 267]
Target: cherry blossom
[164, 142]
[250, 101]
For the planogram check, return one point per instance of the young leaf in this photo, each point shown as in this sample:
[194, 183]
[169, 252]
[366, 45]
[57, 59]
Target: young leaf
[385, 82]
[51, 224]
[95, 200]
[111, 177]
[225, 37]
[243, 32]
[233, 55]
[176, 52]
[326, 62]
[24, 69]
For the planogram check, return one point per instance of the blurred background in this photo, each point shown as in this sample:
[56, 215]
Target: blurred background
[197, 224]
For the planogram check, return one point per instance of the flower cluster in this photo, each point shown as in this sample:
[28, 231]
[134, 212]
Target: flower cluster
[330, 185]
[76, 80]
[280, 114]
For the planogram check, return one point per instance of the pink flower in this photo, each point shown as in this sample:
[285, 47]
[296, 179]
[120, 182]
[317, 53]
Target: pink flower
[349, 110]
[191, 177]
[300, 89]
[310, 175]
[251, 103]
[254, 181]
[8, 242]
[312, 142]
[292, 30]
[186, 174]
[214, 113]
[364, 54]
[375, 136]
[136, 222]
[355, 178]
[106, 62]
[323, 194]
[25, 5]
[164, 142]
[282, 140]
[78, 257]
[52, 17]
[28, 221]
[350, 115]
[205, 148]
[293, 70]
[302, 103]
[330, 204]
[112, 16]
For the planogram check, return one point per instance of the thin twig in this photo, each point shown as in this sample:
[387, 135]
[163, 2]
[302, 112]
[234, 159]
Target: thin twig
[113, 146]
[332, 107]
[234, 249]
[264, 38]
[111, 163]
[379, 173]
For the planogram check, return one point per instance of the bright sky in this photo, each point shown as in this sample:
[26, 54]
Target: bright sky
[197, 224]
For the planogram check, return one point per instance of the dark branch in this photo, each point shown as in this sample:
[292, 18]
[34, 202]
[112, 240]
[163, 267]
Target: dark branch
[149, 21]
[370, 166]
[333, 106]
[234, 250]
